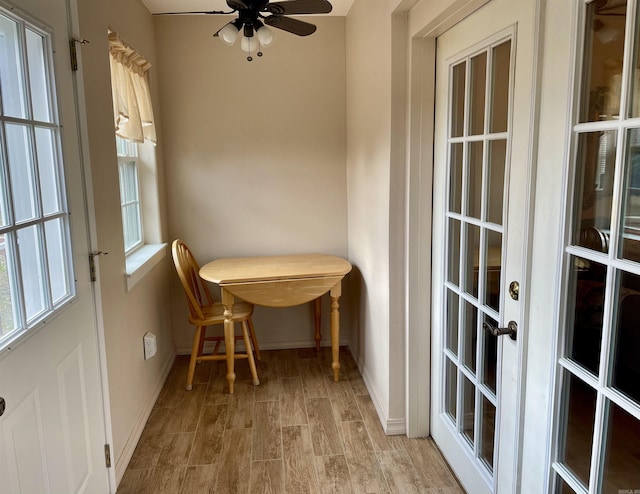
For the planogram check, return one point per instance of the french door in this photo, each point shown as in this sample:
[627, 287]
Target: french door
[484, 114]
[52, 419]
[584, 434]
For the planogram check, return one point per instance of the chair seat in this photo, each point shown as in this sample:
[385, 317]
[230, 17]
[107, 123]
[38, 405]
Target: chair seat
[214, 313]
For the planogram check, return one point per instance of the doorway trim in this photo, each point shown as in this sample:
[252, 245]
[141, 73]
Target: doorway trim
[421, 102]
[83, 137]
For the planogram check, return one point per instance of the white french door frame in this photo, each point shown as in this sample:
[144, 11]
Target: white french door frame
[422, 56]
[83, 138]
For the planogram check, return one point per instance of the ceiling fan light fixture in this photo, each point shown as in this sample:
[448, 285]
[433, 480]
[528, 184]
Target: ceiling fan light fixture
[229, 34]
[266, 36]
[248, 45]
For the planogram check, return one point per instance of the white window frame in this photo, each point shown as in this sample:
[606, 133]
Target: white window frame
[51, 276]
[128, 156]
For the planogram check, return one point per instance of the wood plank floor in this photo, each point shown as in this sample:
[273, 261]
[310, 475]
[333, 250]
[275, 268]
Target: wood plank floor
[298, 432]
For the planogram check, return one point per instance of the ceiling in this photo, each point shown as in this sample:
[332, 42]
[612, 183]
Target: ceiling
[340, 7]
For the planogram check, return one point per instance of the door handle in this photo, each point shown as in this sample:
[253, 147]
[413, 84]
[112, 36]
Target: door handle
[511, 329]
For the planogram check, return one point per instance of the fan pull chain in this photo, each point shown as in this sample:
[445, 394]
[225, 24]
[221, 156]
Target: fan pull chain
[259, 53]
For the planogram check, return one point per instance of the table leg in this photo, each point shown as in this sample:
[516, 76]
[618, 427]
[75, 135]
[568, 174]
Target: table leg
[317, 318]
[229, 336]
[335, 293]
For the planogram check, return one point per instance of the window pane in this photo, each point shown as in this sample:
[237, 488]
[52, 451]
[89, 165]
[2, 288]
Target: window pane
[47, 166]
[602, 61]
[474, 185]
[131, 216]
[131, 223]
[32, 272]
[469, 335]
[500, 87]
[488, 432]
[4, 188]
[562, 487]
[21, 171]
[38, 79]
[7, 291]
[455, 187]
[451, 388]
[471, 261]
[497, 163]
[493, 266]
[128, 182]
[630, 231]
[622, 454]
[490, 356]
[594, 184]
[635, 81]
[457, 99]
[579, 401]
[454, 252]
[11, 79]
[452, 321]
[585, 309]
[469, 408]
[57, 260]
[626, 344]
[478, 86]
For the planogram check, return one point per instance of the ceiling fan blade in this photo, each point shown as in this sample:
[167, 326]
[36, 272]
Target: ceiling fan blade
[193, 13]
[294, 26]
[237, 4]
[294, 7]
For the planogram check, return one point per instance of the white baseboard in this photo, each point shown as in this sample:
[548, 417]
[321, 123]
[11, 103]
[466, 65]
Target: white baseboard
[391, 426]
[264, 345]
[127, 452]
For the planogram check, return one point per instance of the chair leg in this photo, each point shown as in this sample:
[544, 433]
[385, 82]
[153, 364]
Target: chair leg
[194, 357]
[203, 335]
[252, 363]
[254, 340]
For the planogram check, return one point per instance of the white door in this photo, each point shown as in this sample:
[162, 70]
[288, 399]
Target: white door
[582, 429]
[52, 427]
[483, 146]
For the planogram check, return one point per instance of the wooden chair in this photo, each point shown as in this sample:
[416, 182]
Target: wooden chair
[204, 311]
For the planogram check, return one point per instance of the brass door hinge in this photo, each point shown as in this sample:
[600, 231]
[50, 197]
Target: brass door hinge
[73, 53]
[92, 263]
[107, 455]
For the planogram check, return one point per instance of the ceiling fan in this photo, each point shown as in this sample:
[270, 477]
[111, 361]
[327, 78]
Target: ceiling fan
[254, 14]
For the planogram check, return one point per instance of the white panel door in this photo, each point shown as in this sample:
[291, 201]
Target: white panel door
[484, 113]
[52, 430]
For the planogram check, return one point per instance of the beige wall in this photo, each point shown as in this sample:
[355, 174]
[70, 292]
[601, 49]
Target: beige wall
[255, 153]
[376, 143]
[133, 382]
[368, 155]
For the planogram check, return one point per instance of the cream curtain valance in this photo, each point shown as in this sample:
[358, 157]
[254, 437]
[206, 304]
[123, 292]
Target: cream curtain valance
[132, 110]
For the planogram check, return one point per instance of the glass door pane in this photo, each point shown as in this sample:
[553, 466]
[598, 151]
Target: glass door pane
[477, 160]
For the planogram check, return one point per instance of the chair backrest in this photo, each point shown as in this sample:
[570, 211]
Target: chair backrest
[593, 238]
[195, 288]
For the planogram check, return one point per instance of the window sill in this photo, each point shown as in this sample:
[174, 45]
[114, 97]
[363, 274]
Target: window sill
[140, 262]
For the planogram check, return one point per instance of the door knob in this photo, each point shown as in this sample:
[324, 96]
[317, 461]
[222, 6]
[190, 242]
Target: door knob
[3, 405]
[511, 329]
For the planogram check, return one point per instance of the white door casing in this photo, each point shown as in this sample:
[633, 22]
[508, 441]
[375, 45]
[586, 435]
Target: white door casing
[490, 26]
[52, 433]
